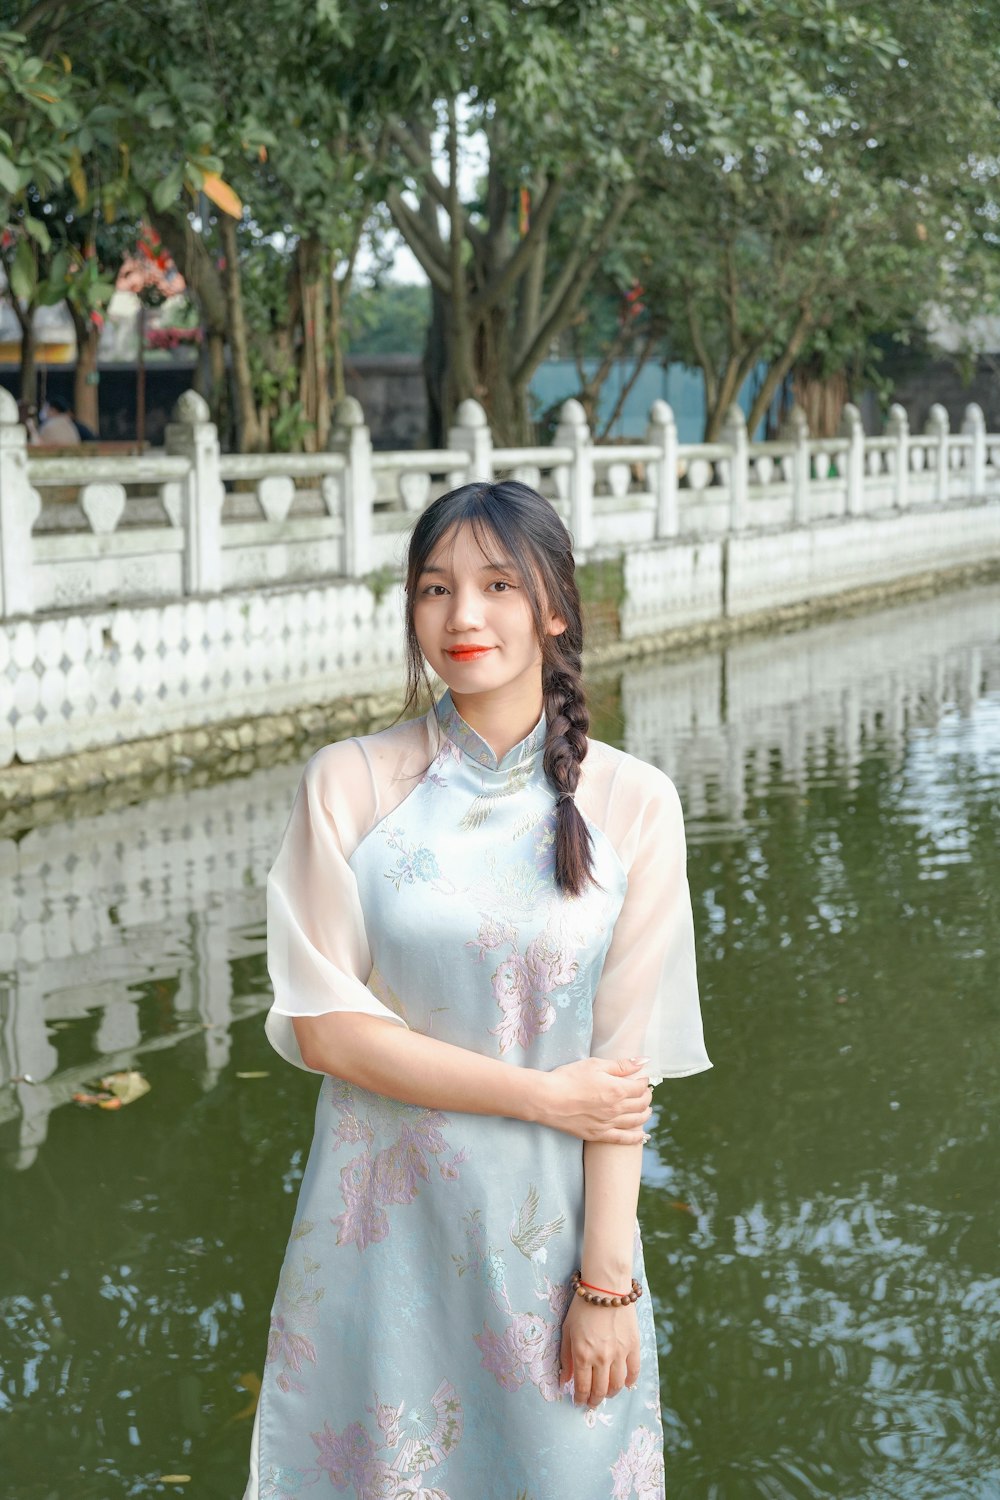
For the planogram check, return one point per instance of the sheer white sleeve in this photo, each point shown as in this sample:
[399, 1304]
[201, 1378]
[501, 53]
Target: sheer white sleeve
[317, 947]
[647, 1003]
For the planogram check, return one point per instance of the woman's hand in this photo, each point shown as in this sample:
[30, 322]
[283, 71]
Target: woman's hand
[598, 1099]
[600, 1350]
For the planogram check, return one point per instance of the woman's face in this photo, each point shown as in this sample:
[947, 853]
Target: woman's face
[472, 615]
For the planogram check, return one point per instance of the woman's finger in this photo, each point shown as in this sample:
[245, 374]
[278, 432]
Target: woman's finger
[617, 1376]
[598, 1385]
[632, 1366]
[583, 1376]
[565, 1358]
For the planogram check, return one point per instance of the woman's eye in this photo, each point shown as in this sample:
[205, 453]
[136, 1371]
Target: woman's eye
[501, 584]
[434, 589]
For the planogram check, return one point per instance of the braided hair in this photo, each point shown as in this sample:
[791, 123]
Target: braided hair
[511, 520]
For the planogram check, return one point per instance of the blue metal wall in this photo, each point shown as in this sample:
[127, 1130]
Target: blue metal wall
[682, 387]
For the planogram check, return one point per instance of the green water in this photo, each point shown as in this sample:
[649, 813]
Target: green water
[820, 1211]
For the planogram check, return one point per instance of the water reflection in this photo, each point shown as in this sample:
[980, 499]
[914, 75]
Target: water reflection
[820, 1211]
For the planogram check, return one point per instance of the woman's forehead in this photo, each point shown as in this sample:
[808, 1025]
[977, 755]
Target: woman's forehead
[468, 545]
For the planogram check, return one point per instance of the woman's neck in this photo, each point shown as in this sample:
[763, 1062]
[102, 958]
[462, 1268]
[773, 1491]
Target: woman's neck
[504, 716]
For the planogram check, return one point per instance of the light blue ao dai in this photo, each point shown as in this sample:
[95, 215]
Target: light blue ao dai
[415, 1334]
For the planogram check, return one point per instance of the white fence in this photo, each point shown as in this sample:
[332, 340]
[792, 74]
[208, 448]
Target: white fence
[87, 531]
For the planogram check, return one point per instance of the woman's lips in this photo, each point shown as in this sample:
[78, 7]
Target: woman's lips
[466, 653]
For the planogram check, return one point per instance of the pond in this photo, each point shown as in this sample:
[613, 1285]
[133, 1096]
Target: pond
[820, 1212]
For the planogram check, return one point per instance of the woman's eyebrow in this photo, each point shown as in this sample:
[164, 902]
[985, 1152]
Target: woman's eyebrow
[500, 566]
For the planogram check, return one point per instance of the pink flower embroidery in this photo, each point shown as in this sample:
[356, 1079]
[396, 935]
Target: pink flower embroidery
[291, 1347]
[499, 1359]
[422, 1440]
[492, 934]
[363, 1221]
[350, 1457]
[295, 1314]
[370, 1182]
[527, 1350]
[522, 986]
[638, 1469]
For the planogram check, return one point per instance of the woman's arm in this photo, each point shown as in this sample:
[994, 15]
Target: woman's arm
[600, 1345]
[594, 1099]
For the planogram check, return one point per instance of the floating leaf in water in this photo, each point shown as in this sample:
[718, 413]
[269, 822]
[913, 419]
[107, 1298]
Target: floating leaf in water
[251, 1384]
[258, 1073]
[126, 1087]
[684, 1208]
[174, 1479]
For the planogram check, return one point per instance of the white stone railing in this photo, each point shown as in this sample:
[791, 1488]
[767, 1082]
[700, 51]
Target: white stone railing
[193, 521]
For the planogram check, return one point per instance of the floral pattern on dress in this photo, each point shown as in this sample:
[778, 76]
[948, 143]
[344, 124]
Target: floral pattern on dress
[638, 1471]
[526, 1350]
[415, 863]
[418, 1441]
[522, 986]
[295, 1315]
[392, 1174]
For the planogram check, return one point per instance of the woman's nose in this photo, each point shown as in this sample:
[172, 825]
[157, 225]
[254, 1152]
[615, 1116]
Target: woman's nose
[466, 611]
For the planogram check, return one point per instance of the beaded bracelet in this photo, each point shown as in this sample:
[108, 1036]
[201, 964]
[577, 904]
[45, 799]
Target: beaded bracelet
[601, 1298]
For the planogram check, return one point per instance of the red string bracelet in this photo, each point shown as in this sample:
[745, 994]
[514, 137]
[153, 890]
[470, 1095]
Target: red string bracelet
[592, 1288]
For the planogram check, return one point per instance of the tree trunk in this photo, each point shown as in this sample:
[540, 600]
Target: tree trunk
[314, 374]
[336, 346]
[86, 391]
[247, 425]
[822, 398]
[199, 269]
[28, 386]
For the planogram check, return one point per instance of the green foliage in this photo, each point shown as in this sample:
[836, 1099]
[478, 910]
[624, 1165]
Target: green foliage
[390, 317]
[787, 180]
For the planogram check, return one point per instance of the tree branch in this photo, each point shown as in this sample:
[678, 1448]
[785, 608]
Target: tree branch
[564, 308]
[418, 237]
[420, 160]
[781, 367]
[533, 243]
[701, 350]
[629, 385]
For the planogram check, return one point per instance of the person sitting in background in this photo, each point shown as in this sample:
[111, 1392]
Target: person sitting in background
[58, 429]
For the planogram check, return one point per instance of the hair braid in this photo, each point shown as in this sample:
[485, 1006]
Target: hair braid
[567, 722]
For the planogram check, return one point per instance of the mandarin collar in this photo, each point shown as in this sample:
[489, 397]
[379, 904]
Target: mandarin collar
[454, 727]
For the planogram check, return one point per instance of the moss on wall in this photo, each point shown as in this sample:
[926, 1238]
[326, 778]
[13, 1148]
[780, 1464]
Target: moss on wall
[602, 591]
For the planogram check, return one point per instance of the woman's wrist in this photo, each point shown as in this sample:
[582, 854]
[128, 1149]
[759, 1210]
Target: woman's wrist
[611, 1275]
[536, 1093]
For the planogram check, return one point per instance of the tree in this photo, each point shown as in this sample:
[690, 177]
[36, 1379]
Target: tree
[38, 114]
[797, 258]
[576, 105]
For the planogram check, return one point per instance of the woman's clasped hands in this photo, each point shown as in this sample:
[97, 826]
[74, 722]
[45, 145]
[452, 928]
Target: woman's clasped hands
[599, 1099]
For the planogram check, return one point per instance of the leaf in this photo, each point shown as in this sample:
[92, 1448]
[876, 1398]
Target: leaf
[260, 1073]
[23, 273]
[39, 232]
[174, 1479]
[168, 189]
[78, 180]
[10, 177]
[222, 195]
[126, 1087]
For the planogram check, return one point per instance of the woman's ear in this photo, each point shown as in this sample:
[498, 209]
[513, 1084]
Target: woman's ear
[556, 625]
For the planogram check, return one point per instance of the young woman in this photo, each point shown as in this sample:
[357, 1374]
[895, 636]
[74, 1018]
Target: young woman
[479, 929]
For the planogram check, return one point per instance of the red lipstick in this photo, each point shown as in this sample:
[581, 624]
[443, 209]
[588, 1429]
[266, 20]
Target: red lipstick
[467, 653]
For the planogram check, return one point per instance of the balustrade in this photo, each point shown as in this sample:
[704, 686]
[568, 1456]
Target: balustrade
[191, 520]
